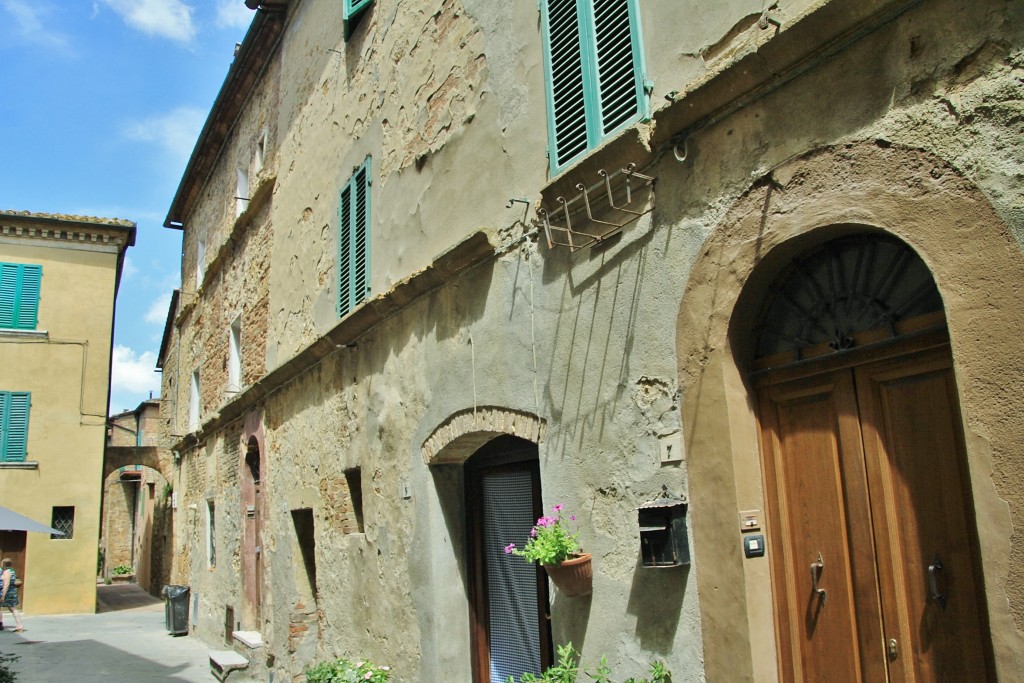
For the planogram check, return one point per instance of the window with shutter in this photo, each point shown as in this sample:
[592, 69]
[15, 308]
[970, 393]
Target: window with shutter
[351, 12]
[14, 407]
[353, 240]
[19, 295]
[594, 67]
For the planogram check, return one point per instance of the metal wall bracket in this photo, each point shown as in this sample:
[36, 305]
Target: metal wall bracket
[619, 198]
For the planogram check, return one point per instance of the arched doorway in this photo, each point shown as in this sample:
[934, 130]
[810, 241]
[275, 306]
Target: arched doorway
[252, 504]
[874, 556]
[509, 620]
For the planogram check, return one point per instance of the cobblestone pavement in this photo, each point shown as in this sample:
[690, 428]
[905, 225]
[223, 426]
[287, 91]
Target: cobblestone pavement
[125, 642]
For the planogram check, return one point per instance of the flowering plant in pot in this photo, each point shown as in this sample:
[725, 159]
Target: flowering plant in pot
[556, 547]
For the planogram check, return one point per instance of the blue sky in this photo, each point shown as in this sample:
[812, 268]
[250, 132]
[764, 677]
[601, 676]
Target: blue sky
[101, 102]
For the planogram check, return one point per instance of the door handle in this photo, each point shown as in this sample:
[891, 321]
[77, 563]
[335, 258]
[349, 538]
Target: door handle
[816, 568]
[933, 582]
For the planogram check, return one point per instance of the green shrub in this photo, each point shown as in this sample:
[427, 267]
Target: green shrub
[567, 669]
[346, 671]
[6, 675]
[121, 570]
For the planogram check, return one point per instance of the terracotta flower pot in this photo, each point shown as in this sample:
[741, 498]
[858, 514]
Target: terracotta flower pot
[574, 576]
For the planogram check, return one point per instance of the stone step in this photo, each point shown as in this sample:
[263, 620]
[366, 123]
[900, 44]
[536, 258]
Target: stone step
[223, 662]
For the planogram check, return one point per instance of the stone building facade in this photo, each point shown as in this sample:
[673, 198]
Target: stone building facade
[446, 265]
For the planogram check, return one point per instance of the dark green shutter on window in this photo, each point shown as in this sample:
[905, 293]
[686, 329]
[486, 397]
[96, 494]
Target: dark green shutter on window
[14, 406]
[353, 240]
[593, 60]
[19, 295]
[350, 13]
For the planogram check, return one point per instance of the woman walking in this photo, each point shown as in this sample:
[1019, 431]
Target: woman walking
[9, 593]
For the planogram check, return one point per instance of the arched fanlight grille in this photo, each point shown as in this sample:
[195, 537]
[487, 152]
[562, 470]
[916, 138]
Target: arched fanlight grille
[846, 286]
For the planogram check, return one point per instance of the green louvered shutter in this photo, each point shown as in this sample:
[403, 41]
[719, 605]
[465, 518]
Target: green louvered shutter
[351, 11]
[619, 81]
[593, 62]
[563, 57]
[14, 407]
[8, 294]
[353, 240]
[344, 240]
[19, 295]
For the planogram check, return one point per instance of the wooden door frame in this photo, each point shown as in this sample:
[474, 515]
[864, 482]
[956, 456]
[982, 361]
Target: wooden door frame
[501, 453]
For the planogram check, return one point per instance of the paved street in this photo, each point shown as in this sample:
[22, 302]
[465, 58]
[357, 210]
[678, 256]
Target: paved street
[126, 642]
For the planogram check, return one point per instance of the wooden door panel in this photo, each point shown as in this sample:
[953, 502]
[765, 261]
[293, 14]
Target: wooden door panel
[817, 504]
[916, 465]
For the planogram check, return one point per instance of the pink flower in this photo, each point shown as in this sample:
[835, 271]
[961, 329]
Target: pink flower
[545, 521]
[368, 676]
[572, 518]
[509, 548]
[558, 508]
[533, 532]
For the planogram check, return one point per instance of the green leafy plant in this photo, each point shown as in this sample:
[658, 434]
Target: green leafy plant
[346, 671]
[6, 675]
[551, 540]
[567, 670]
[121, 570]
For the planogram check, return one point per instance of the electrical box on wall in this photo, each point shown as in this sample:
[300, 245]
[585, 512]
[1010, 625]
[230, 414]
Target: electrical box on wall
[663, 538]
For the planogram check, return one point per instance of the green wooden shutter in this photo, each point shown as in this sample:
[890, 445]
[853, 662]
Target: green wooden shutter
[353, 240]
[19, 295]
[619, 81]
[351, 11]
[8, 293]
[564, 64]
[594, 66]
[344, 240]
[14, 406]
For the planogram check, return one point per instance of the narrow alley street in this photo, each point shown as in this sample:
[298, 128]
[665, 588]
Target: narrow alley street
[124, 642]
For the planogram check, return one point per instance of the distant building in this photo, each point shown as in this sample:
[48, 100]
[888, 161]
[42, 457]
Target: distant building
[58, 283]
[135, 541]
[448, 264]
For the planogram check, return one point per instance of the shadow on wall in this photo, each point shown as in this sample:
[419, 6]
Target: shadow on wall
[656, 600]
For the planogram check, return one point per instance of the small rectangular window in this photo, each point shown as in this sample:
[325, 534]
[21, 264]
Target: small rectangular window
[235, 356]
[63, 520]
[242, 192]
[211, 534]
[19, 295]
[193, 403]
[593, 62]
[14, 409]
[354, 480]
[353, 240]
[200, 264]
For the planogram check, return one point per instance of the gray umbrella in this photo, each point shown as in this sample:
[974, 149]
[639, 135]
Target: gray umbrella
[12, 521]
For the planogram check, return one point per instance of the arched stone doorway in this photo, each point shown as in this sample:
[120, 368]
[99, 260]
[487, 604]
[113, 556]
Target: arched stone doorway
[870, 523]
[486, 469]
[823, 195]
[136, 527]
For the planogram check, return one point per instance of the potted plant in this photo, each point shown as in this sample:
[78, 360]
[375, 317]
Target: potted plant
[556, 547]
[122, 573]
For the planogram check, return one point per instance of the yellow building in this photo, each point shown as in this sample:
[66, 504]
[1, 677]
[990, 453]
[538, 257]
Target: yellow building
[58, 282]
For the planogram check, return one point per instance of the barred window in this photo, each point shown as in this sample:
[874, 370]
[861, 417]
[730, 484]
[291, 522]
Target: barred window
[63, 520]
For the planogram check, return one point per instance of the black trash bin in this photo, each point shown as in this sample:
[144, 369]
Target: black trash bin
[176, 609]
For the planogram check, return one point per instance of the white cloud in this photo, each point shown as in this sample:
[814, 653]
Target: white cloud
[28, 23]
[233, 14]
[157, 313]
[166, 18]
[128, 269]
[176, 131]
[133, 372]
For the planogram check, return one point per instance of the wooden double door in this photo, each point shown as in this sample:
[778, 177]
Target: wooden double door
[872, 536]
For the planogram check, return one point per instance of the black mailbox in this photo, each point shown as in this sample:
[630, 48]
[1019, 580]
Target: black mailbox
[663, 540]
